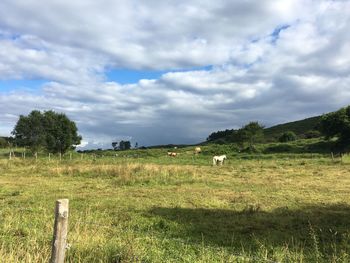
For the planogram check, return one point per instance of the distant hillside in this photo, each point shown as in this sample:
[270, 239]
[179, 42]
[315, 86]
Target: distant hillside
[300, 128]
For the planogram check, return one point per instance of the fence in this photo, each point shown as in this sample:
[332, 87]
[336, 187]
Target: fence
[15, 154]
[11, 154]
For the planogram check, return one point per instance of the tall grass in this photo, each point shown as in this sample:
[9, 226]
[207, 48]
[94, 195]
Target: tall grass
[144, 209]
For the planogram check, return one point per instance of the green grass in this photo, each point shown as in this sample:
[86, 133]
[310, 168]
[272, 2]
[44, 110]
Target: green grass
[298, 127]
[149, 207]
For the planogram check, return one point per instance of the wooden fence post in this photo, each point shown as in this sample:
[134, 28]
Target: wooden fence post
[59, 242]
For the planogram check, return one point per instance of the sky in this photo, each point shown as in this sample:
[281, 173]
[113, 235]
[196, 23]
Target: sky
[161, 72]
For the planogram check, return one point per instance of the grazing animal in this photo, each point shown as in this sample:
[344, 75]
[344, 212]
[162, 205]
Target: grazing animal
[219, 160]
[197, 150]
[172, 154]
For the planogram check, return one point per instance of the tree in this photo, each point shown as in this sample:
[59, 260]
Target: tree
[337, 124]
[251, 133]
[287, 137]
[48, 130]
[115, 145]
[61, 133]
[226, 135]
[29, 131]
[124, 145]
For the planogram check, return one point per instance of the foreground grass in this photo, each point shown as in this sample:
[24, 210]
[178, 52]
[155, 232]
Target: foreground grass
[178, 210]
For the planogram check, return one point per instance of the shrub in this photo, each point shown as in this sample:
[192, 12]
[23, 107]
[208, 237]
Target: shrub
[281, 148]
[312, 134]
[3, 142]
[287, 137]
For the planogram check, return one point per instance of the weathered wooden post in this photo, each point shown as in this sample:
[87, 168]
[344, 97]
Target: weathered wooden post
[332, 156]
[60, 156]
[49, 157]
[10, 155]
[36, 156]
[59, 242]
[70, 156]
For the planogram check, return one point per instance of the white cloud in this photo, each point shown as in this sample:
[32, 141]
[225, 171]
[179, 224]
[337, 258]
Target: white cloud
[297, 72]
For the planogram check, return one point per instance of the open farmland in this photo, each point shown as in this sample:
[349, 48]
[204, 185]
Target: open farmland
[173, 210]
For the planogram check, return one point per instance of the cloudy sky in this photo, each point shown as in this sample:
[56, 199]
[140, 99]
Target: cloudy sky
[158, 72]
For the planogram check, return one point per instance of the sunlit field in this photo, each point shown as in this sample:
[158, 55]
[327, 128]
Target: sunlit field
[147, 207]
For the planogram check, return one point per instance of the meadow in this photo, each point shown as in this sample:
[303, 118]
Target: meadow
[142, 206]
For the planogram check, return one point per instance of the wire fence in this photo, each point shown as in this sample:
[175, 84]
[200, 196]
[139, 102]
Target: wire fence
[17, 155]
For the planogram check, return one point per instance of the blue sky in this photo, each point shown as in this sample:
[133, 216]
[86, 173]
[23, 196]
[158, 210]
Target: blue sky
[21, 84]
[276, 32]
[156, 74]
[130, 76]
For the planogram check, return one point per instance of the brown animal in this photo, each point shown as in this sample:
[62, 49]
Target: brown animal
[197, 150]
[172, 154]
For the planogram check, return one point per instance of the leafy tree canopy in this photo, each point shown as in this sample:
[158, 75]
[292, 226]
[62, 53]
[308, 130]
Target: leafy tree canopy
[115, 145]
[124, 145]
[48, 130]
[252, 133]
[337, 124]
[287, 137]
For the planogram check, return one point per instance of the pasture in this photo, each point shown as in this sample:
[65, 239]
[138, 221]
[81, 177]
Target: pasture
[150, 207]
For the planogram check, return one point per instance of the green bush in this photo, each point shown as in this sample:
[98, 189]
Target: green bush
[312, 134]
[3, 142]
[281, 148]
[287, 137]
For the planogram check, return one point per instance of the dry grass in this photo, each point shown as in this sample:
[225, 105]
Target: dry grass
[294, 210]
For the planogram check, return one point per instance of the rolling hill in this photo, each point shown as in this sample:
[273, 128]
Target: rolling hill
[301, 128]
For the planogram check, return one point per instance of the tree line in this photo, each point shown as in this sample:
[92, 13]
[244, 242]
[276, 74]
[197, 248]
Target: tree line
[248, 135]
[122, 145]
[336, 125]
[332, 126]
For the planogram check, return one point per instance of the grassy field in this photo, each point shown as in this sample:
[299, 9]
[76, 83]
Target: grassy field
[146, 207]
